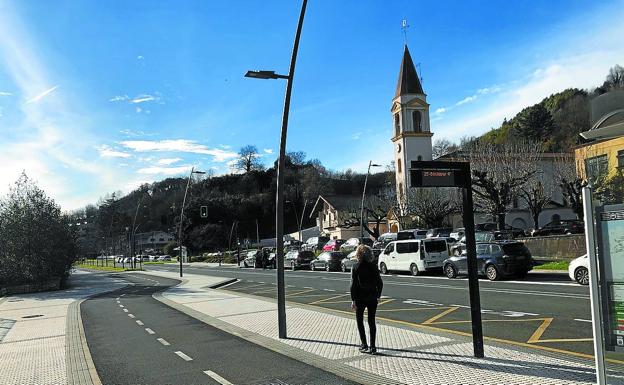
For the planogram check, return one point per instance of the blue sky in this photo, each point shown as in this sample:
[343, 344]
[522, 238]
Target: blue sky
[102, 96]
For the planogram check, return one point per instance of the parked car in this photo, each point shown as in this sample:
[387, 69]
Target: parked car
[566, 226]
[164, 258]
[292, 245]
[328, 260]
[296, 259]
[495, 260]
[411, 234]
[315, 243]
[458, 233]
[493, 226]
[482, 236]
[152, 258]
[414, 255]
[333, 245]
[250, 258]
[352, 243]
[439, 232]
[579, 270]
[347, 262]
[383, 240]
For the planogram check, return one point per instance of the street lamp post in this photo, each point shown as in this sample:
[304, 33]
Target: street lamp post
[279, 199]
[182, 216]
[370, 164]
[134, 228]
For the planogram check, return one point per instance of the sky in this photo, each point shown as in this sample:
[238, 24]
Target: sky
[99, 96]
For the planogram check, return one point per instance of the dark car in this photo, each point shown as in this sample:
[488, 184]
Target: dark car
[411, 234]
[347, 262]
[492, 226]
[328, 260]
[315, 244]
[495, 260]
[352, 243]
[296, 259]
[481, 236]
[566, 226]
[382, 242]
[266, 258]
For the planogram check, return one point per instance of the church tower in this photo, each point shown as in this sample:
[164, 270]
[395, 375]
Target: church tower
[410, 118]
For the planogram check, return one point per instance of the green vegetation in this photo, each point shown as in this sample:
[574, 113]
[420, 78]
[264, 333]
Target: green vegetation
[557, 265]
[102, 268]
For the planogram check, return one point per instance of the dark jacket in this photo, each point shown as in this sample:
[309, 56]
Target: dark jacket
[366, 283]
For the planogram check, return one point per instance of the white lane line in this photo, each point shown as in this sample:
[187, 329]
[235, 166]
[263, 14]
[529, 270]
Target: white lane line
[126, 310]
[139, 323]
[217, 377]
[122, 295]
[183, 356]
[131, 315]
[583, 320]
[229, 284]
[117, 298]
[150, 331]
[121, 306]
[162, 341]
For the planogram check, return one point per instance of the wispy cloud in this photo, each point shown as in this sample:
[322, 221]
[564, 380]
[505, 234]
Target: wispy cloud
[4, 93]
[168, 161]
[41, 95]
[165, 170]
[268, 151]
[469, 99]
[142, 98]
[108, 152]
[119, 98]
[178, 145]
[356, 136]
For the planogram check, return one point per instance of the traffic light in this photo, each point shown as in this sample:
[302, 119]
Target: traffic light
[203, 211]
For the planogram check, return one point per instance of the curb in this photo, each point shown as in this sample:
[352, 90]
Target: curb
[337, 368]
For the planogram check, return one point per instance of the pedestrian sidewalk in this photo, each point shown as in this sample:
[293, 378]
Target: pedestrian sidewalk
[330, 341]
[41, 337]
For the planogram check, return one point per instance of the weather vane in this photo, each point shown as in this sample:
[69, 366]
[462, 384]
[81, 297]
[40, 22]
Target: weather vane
[404, 27]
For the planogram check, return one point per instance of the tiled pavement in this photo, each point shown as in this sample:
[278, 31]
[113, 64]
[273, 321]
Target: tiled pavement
[38, 343]
[410, 356]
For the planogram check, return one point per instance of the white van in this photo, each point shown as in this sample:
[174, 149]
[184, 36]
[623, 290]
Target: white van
[413, 255]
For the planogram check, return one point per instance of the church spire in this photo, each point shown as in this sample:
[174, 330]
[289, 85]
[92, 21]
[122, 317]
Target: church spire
[408, 78]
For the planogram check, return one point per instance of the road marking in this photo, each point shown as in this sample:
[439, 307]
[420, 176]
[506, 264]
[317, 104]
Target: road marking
[568, 340]
[229, 284]
[436, 317]
[121, 306]
[583, 320]
[117, 298]
[540, 330]
[139, 323]
[150, 331]
[300, 292]
[330, 300]
[126, 310]
[131, 316]
[162, 341]
[217, 377]
[122, 295]
[183, 356]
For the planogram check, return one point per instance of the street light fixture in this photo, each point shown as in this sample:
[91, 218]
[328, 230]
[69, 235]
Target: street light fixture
[370, 164]
[193, 171]
[279, 199]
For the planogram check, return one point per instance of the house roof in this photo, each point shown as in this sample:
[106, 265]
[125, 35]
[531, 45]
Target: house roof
[408, 82]
[338, 202]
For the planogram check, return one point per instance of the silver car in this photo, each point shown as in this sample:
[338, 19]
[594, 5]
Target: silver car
[347, 263]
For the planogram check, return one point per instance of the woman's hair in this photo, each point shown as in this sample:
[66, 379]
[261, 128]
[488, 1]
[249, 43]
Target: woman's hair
[364, 253]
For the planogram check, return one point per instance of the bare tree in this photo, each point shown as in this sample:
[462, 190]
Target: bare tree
[615, 78]
[426, 207]
[571, 185]
[499, 172]
[536, 196]
[443, 147]
[248, 159]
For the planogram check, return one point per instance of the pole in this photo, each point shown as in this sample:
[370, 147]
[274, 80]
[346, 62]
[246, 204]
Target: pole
[305, 203]
[370, 162]
[279, 215]
[473, 279]
[601, 375]
[182, 219]
[257, 233]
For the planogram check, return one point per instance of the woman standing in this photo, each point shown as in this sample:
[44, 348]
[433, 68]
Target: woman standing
[366, 287]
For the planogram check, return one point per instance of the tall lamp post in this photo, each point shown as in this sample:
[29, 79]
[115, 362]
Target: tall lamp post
[182, 216]
[370, 164]
[279, 199]
[134, 228]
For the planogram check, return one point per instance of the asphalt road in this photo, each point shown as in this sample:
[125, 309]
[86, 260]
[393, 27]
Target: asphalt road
[543, 312]
[135, 339]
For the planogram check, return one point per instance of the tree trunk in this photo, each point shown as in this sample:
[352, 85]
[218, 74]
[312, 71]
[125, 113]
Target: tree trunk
[501, 221]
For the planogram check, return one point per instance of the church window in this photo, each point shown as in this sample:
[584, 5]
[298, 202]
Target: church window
[399, 165]
[417, 121]
[397, 125]
[419, 158]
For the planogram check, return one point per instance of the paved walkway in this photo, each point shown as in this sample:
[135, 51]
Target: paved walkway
[40, 338]
[409, 355]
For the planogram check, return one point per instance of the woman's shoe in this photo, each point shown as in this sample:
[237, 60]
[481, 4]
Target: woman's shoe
[373, 351]
[364, 348]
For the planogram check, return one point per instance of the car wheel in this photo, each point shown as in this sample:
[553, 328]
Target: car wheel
[414, 269]
[343, 268]
[568, 232]
[383, 268]
[450, 271]
[491, 273]
[245, 264]
[327, 268]
[312, 267]
[581, 275]
[292, 266]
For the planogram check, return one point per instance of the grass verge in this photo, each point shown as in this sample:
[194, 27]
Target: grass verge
[557, 265]
[103, 268]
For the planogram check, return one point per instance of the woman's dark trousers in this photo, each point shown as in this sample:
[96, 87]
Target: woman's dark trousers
[359, 316]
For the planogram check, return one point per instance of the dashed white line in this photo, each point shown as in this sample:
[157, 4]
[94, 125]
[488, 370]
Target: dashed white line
[162, 341]
[131, 315]
[217, 377]
[583, 320]
[183, 356]
[122, 295]
[117, 298]
[139, 323]
[150, 331]
[121, 306]
[126, 310]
